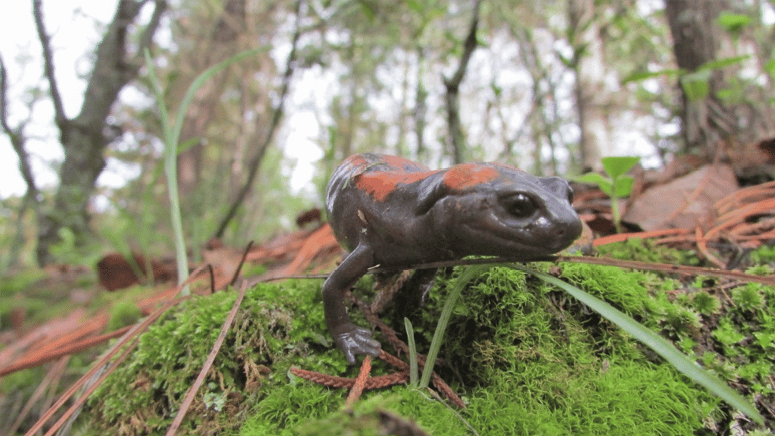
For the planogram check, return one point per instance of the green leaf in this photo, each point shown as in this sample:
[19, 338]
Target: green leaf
[415, 6]
[657, 343]
[466, 276]
[643, 75]
[190, 142]
[722, 63]
[616, 166]
[733, 22]
[770, 67]
[605, 184]
[593, 178]
[623, 186]
[695, 85]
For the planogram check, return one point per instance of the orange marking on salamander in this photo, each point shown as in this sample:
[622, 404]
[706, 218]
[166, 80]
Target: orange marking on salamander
[465, 176]
[380, 184]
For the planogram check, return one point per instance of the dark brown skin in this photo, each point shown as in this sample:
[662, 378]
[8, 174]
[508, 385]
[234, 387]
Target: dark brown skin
[392, 212]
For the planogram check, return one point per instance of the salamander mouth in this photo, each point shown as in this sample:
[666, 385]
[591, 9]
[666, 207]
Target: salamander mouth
[507, 243]
[527, 241]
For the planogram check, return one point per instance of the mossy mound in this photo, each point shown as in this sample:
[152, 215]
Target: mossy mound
[526, 358]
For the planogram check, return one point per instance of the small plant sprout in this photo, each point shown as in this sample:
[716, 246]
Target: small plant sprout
[617, 185]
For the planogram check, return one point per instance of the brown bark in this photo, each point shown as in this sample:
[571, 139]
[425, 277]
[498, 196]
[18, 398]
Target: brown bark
[18, 141]
[453, 89]
[709, 122]
[85, 137]
[590, 90]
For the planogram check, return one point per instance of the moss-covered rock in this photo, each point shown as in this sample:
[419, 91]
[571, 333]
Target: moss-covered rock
[526, 358]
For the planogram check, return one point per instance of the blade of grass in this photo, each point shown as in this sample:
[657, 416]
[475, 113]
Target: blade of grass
[657, 343]
[438, 336]
[171, 133]
[413, 375]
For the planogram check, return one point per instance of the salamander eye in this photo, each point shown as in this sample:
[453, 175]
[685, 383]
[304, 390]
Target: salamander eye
[570, 195]
[519, 205]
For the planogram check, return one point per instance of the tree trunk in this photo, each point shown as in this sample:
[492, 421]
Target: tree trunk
[696, 39]
[590, 90]
[452, 86]
[85, 137]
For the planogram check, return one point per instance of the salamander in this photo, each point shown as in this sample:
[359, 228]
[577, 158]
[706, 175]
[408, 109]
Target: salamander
[392, 212]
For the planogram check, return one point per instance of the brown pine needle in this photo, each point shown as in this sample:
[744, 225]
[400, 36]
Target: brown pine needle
[360, 383]
[189, 398]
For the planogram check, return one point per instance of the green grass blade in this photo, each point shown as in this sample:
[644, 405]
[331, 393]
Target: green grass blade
[200, 80]
[438, 336]
[413, 376]
[657, 343]
[171, 133]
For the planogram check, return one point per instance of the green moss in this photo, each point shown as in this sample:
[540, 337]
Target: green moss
[705, 303]
[763, 254]
[526, 358]
[143, 394]
[123, 314]
[646, 250]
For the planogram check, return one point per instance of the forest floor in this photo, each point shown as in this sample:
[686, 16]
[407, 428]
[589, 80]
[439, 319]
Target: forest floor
[516, 345]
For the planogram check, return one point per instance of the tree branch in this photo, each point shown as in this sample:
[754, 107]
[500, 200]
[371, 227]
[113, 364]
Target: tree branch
[277, 115]
[48, 65]
[147, 37]
[15, 135]
[453, 86]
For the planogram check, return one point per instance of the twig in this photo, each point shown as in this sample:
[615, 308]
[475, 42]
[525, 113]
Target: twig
[647, 266]
[48, 67]
[277, 115]
[64, 351]
[82, 399]
[331, 381]
[189, 398]
[241, 263]
[52, 374]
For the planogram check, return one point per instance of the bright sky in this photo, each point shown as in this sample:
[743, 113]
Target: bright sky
[71, 25]
[75, 28]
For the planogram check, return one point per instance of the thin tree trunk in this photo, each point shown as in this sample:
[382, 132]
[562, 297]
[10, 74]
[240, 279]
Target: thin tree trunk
[706, 122]
[590, 89]
[18, 141]
[277, 115]
[452, 85]
[85, 137]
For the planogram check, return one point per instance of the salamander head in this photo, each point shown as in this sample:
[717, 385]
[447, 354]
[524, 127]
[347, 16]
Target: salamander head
[512, 214]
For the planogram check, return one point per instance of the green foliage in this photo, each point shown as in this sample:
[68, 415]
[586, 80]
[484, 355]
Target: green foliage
[413, 372]
[661, 346]
[67, 251]
[696, 84]
[748, 298]
[616, 185]
[763, 254]
[645, 250]
[732, 22]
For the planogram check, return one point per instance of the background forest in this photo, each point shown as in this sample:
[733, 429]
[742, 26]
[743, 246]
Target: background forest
[549, 86]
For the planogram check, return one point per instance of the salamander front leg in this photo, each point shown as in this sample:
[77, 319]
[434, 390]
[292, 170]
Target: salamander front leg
[348, 337]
